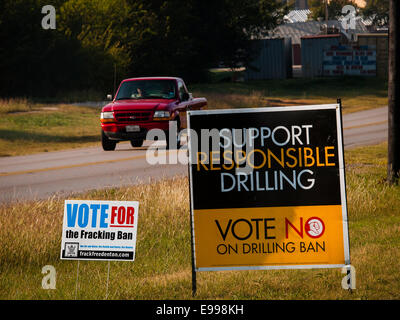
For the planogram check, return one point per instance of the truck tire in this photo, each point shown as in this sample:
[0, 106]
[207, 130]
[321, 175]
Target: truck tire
[107, 144]
[137, 143]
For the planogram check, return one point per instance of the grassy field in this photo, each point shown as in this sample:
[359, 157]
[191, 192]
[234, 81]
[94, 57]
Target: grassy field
[357, 93]
[27, 127]
[31, 236]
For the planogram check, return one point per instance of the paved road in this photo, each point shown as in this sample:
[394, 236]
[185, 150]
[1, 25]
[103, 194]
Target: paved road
[365, 127]
[63, 172]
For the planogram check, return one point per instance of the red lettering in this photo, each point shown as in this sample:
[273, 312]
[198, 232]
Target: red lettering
[287, 223]
[113, 214]
[129, 215]
[121, 215]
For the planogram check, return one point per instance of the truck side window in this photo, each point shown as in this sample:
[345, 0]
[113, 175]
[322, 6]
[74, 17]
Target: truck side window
[181, 89]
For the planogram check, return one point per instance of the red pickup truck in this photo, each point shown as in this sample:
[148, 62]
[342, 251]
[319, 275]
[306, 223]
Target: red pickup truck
[142, 104]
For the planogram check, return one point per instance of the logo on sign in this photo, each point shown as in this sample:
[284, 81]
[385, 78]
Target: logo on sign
[314, 227]
[71, 249]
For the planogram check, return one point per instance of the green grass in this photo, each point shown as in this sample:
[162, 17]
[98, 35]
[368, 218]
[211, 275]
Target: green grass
[48, 128]
[357, 93]
[27, 127]
[31, 237]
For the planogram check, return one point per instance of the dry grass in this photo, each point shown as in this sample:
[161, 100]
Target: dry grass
[357, 93]
[33, 233]
[259, 99]
[15, 105]
[31, 237]
[256, 99]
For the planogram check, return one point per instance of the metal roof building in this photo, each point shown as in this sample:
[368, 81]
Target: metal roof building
[296, 30]
[297, 16]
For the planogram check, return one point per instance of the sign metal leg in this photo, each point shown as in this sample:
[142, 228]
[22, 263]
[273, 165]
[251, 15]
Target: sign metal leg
[77, 281]
[108, 279]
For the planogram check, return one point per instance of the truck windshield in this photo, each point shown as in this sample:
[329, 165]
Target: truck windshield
[147, 89]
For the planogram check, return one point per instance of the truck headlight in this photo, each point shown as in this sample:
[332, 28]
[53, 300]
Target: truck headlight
[107, 117]
[161, 115]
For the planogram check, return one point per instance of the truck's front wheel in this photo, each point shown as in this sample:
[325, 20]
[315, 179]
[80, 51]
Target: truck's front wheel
[107, 144]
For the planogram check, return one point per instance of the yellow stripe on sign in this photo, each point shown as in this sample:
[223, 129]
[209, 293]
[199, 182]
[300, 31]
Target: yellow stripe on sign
[270, 236]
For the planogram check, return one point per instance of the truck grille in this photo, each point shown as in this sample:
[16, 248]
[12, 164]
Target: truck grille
[132, 116]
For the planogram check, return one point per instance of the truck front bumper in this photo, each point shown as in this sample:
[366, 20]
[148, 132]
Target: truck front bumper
[126, 135]
[116, 131]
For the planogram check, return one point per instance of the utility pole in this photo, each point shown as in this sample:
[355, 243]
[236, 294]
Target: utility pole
[393, 169]
[326, 12]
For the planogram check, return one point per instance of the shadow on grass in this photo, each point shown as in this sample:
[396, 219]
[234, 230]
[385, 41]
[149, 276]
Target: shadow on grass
[18, 135]
[285, 102]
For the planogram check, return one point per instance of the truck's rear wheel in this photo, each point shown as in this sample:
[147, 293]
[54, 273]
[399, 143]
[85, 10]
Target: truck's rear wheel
[137, 143]
[107, 144]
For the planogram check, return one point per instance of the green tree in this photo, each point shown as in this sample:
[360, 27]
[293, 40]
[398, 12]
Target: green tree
[186, 38]
[137, 37]
[99, 26]
[43, 63]
[25, 47]
[377, 11]
[317, 8]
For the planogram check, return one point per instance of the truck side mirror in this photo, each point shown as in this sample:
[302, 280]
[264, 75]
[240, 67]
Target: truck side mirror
[185, 96]
[109, 97]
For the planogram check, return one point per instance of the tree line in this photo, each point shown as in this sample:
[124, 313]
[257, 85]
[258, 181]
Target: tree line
[94, 39]
[377, 11]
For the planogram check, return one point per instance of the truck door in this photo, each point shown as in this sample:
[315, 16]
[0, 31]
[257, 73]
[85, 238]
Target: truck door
[184, 103]
[187, 102]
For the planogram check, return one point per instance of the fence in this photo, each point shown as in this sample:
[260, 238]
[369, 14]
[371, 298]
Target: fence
[273, 60]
